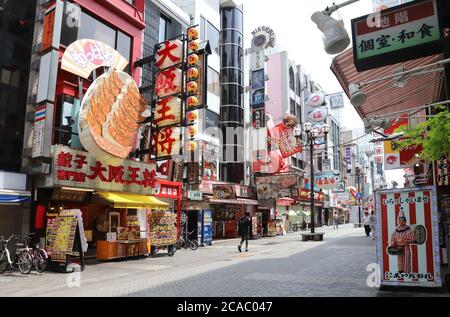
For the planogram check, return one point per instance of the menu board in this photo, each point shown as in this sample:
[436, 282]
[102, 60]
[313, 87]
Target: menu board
[64, 238]
[163, 230]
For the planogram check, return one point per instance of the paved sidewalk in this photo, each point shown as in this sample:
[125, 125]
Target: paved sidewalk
[280, 266]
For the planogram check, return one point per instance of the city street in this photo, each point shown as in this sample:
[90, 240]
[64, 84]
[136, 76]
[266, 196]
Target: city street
[274, 267]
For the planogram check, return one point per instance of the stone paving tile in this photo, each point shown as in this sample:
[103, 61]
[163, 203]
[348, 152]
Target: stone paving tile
[281, 266]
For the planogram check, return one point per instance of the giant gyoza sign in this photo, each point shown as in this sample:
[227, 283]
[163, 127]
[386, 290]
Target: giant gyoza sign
[408, 238]
[395, 35]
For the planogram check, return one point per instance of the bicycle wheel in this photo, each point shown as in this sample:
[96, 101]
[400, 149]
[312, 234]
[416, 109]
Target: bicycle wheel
[3, 262]
[193, 244]
[25, 262]
[40, 260]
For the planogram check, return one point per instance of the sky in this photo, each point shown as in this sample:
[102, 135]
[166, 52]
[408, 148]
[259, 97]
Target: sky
[297, 34]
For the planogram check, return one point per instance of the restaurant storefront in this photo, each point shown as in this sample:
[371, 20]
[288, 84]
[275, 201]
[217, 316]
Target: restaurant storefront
[114, 202]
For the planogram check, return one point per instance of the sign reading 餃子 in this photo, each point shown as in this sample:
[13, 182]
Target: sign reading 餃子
[408, 237]
[277, 186]
[77, 169]
[84, 56]
[395, 35]
[110, 117]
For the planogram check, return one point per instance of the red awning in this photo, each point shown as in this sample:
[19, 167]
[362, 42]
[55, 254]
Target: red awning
[383, 97]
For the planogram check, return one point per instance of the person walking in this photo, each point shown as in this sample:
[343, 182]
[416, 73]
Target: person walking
[366, 222]
[373, 221]
[244, 231]
[335, 221]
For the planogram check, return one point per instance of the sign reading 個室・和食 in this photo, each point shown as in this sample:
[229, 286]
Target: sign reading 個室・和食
[395, 35]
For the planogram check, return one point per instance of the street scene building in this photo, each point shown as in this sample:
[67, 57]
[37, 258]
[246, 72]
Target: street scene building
[204, 130]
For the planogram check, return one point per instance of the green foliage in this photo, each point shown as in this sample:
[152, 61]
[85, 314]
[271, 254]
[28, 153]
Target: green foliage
[433, 135]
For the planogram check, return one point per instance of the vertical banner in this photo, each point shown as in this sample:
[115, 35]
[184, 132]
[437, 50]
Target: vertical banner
[408, 238]
[348, 159]
[442, 171]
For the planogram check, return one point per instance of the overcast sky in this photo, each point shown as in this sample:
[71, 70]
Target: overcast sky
[297, 34]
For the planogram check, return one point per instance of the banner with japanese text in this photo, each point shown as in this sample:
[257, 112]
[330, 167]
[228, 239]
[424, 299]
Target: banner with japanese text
[72, 168]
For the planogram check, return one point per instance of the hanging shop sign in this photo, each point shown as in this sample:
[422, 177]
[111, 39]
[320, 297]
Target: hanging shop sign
[48, 28]
[84, 56]
[337, 101]
[60, 194]
[442, 171]
[167, 190]
[305, 195]
[42, 131]
[288, 144]
[348, 159]
[408, 238]
[402, 33]
[315, 100]
[168, 112]
[318, 114]
[327, 180]
[195, 195]
[77, 169]
[168, 142]
[263, 38]
[109, 117]
[169, 54]
[221, 191]
[168, 82]
[277, 186]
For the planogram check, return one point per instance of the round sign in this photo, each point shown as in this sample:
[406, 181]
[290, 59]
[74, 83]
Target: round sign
[318, 114]
[315, 100]
[263, 37]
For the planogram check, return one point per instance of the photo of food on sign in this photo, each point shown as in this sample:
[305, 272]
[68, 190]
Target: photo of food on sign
[110, 117]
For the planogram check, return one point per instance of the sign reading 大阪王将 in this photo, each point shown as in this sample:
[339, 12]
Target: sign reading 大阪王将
[395, 35]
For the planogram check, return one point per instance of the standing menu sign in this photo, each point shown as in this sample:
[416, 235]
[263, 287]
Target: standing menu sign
[408, 238]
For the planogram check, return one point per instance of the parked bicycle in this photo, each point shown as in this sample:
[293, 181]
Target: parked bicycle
[21, 258]
[191, 243]
[38, 255]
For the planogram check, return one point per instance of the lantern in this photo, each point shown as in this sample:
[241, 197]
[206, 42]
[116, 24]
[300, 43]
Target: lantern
[193, 34]
[192, 131]
[192, 73]
[192, 87]
[193, 46]
[192, 116]
[193, 60]
[192, 101]
[191, 146]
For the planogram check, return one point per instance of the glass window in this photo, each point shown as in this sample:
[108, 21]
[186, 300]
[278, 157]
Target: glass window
[292, 107]
[213, 36]
[232, 56]
[231, 75]
[212, 119]
[124, 47]
[291, 79]
[213, 82]
[202, 29]
[91, 28]
[232, 95]
[232, 19]
[163, 28]
[231, 36]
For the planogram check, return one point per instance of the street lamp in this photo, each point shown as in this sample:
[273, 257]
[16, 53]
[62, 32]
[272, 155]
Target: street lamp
[311, 138]
[357, 172]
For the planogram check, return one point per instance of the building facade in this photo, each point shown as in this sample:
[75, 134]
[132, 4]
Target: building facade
[16, 36]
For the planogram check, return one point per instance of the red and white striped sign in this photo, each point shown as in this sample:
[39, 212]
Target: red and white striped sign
[418, 262]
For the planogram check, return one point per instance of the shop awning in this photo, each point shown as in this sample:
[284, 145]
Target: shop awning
[383, 97]
[239, 201]
[129, 201]
[14, 197]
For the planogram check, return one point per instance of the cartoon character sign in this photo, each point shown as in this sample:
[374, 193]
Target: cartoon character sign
[408, 253]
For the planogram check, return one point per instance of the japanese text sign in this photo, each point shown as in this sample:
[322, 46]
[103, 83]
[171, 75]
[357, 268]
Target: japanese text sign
[442, 171]
[170, 54]
[168, 142]
[77, 169]
[277, 186]
[393, 35]
[288, 144]
[168, 112]
[408, 237]
[84, 56]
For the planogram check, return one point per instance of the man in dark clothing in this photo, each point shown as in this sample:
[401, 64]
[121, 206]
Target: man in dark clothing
[244, 231]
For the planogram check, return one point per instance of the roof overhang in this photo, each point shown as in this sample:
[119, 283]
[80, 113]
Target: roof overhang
[383, 97]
